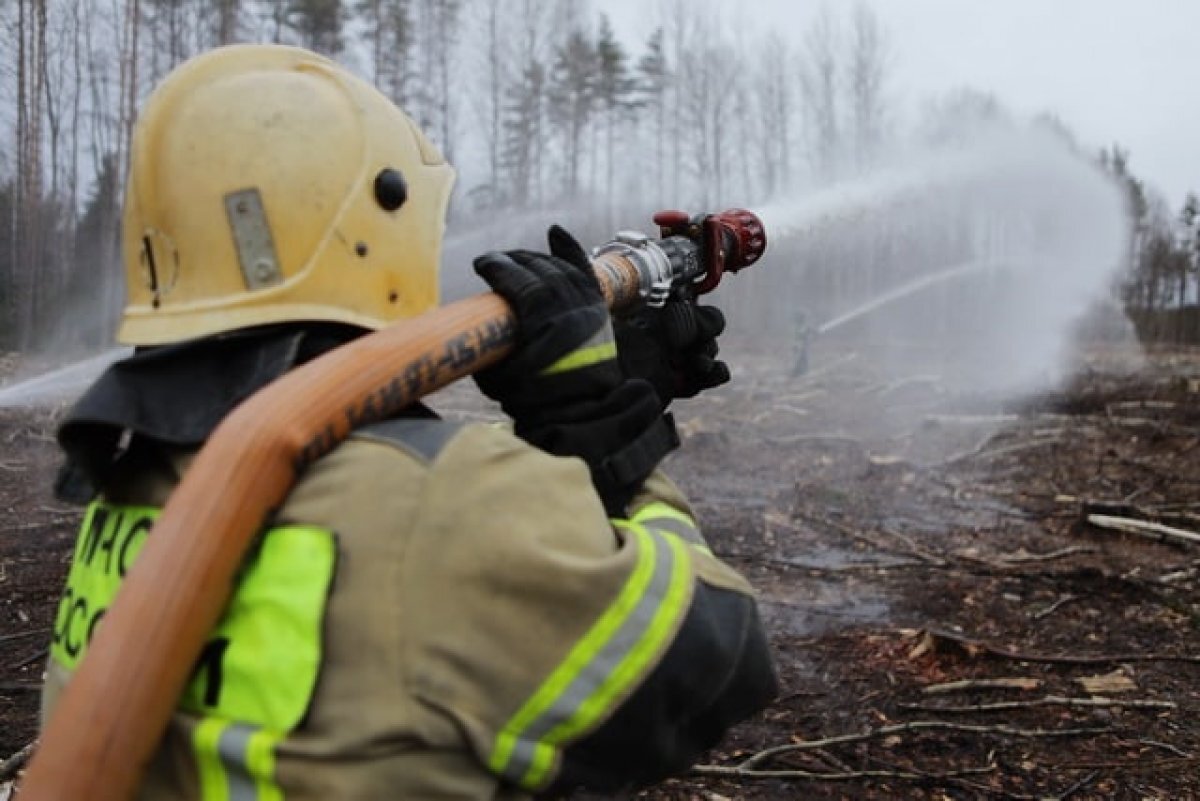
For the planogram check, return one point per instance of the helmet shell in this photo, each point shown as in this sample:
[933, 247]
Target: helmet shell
[268, 184]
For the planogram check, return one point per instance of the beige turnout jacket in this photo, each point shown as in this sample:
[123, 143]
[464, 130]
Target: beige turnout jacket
[483, 614]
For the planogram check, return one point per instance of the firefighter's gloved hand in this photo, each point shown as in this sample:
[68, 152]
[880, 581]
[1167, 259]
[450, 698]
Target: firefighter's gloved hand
[674, 348]
[565, 350]
[562, 384]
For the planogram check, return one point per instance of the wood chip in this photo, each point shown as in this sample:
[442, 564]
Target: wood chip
[1115, 682]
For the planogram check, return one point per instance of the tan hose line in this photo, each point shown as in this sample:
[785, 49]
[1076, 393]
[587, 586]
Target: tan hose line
[108, 722]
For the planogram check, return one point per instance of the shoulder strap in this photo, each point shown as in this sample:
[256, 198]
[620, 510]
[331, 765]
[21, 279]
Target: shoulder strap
[422, 438]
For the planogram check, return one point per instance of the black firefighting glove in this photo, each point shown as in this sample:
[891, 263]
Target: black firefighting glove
[562, 384]
[673, 347]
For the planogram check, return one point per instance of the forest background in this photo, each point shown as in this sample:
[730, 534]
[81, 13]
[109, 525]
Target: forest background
[540, 105]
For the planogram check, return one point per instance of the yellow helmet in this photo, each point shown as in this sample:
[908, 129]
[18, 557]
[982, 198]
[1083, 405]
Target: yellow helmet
[268, 184]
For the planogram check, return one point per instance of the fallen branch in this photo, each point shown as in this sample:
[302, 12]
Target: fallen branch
[1061, 553]
[40, 653]
[1054, 607]
[1141, 404]
[970, 419]
[1074, 788]
[980, 450]
[23, 634]
[965, 685]
[1134, 765]
[887, 388]
[1167, 747]
[797, 438]
[1178, 575]
[914, 725]
[912, 550]
[778, 407]
[970, 645]
[10, 766]
[1049, 700]
[1155, 531]
[737, 772]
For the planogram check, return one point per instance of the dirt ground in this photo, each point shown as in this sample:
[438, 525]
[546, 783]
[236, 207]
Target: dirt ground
[949, 621]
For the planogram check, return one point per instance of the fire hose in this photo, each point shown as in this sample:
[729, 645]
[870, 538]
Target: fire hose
[108, 722]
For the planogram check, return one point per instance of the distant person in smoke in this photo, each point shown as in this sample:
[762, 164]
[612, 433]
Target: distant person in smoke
[437, 610]
[804, 332]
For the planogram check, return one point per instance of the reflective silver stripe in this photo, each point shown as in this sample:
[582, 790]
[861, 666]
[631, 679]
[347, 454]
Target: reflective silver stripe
[596, 671]
[233, 747]
[673, 525]
[603, 336]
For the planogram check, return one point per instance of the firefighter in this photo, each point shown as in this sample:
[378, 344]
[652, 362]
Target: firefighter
[437, 610]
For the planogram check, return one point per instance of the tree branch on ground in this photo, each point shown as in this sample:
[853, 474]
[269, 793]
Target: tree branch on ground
[10, 766]
[1142, 528]
[1049, 700]
[973, 646]
[911, 726]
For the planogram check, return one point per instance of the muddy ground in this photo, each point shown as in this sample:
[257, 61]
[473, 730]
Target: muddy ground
[947, 621]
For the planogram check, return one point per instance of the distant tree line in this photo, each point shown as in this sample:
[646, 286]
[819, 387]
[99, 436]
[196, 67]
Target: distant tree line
[1161, 287]
[538, 102]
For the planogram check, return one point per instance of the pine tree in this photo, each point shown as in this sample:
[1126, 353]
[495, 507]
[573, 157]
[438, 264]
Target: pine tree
[523, 131]
[389, 25]
[226, 16]
[653, 77]
[318, 23]
[614, 87]
[572, 99]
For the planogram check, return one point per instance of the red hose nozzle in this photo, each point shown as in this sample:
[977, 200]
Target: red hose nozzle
[728, 240]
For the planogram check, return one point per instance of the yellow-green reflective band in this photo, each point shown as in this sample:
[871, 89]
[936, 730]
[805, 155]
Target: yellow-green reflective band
[260, 664]
[604, 665]
[235, 762]
[109, 540]
[583, 357]
[666, 519]
[601, 347]
[208, 763]
[578, 658]
[631, 668]
[660, 510]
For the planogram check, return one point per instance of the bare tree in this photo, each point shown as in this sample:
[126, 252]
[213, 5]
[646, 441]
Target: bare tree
[495, 67]
[227, 15]
[443, 43]
[654, 76]
[680, 19]
[819, 84]
[318, 23]
[775, 101]
[869, 53]
[613, 88]
[168, 33]
[28, 233]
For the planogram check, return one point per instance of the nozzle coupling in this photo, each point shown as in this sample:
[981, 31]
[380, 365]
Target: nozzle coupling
[661, 263]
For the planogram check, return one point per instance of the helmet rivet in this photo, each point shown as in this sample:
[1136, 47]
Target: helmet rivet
[361, 248]
[264, 270]
[391, 190]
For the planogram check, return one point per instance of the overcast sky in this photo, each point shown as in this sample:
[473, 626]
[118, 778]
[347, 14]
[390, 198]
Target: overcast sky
[1124, 71]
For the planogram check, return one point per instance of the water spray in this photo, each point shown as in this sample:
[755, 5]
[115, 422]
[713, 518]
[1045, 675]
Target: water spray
[61, 384]
[1002, 245]
[901, 292]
